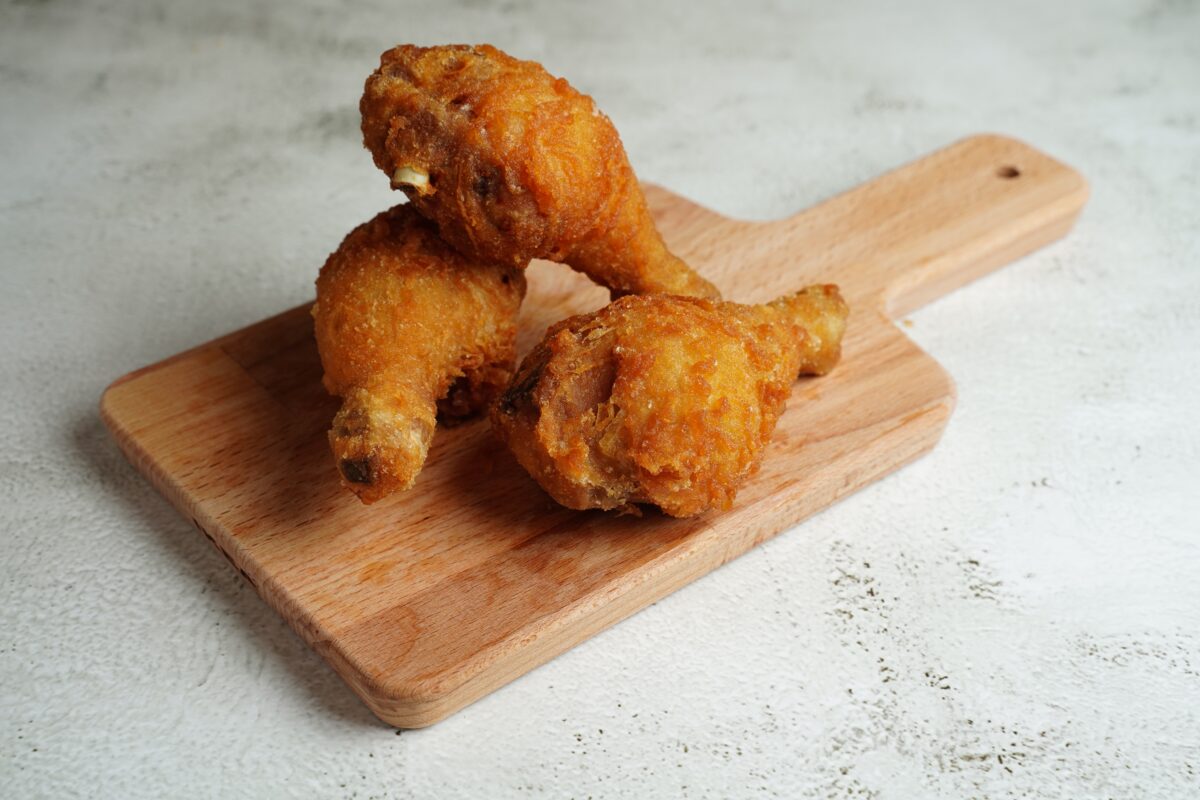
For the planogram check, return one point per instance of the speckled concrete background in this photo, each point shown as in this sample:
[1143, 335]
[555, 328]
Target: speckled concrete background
[1017, 615]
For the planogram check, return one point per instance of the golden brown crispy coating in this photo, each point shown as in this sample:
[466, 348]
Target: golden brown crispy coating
[661, 399]
[407, 328]
[514, 164]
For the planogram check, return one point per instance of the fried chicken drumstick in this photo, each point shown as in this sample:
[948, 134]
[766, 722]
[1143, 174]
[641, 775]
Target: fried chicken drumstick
[664, 400]
[513, 164]
[407, 328]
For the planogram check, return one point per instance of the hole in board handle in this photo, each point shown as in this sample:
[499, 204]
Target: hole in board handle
[1008, 172]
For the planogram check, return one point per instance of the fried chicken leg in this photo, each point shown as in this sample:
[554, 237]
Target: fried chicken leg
[513, 164]
[407, 328]
[664, 400]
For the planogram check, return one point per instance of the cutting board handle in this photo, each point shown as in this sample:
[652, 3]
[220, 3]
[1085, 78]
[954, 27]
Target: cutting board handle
[921, 231]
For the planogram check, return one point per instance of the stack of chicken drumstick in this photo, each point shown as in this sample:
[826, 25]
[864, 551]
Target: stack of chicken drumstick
[666, 396]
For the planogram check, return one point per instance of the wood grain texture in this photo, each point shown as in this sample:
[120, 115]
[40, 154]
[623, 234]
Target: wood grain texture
[428, 600]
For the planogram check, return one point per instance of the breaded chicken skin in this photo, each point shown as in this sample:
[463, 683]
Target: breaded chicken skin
[661, 399]
[513, 164]
[407, 327]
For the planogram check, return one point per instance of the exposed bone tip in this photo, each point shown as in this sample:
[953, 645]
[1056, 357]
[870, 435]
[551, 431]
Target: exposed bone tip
[412, 178]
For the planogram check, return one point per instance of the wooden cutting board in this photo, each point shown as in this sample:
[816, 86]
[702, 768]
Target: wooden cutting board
[429, 600]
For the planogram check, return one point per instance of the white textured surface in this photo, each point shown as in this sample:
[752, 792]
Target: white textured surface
[1017, 615]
